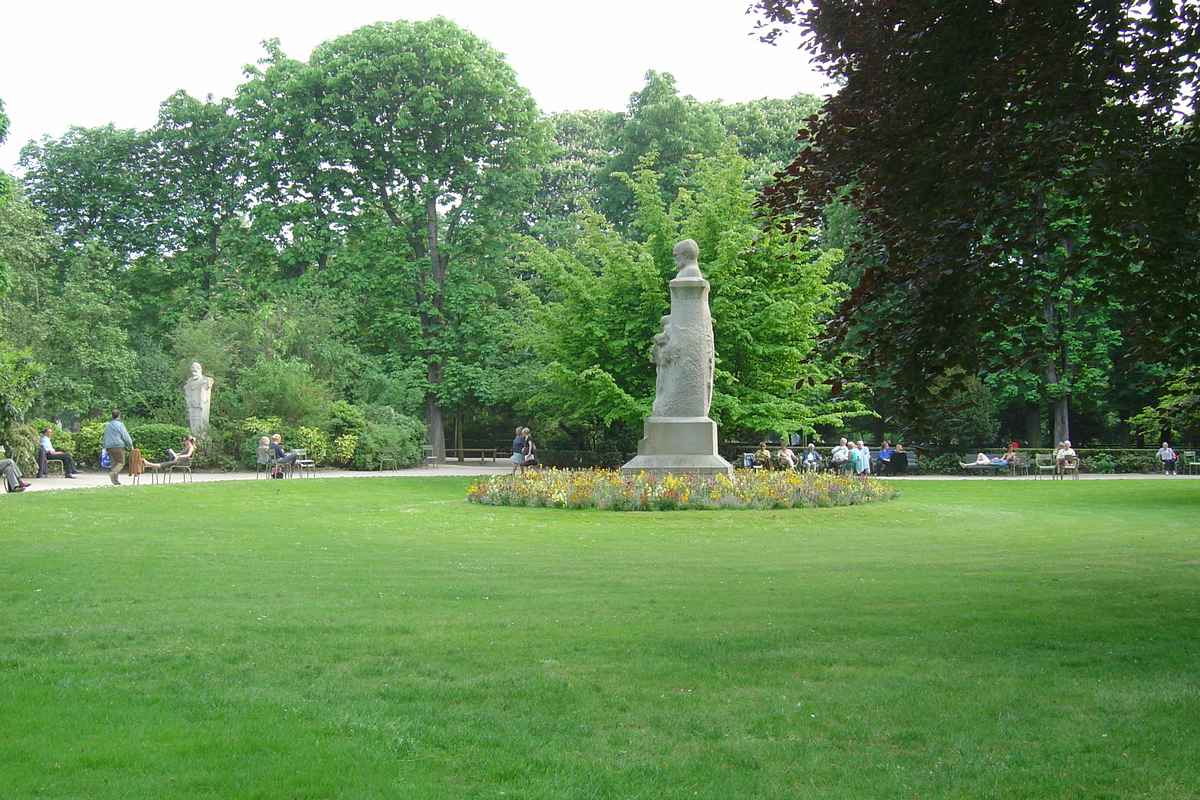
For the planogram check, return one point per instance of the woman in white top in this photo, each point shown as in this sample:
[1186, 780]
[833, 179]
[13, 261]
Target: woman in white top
[1170, 461]
[1064, 453]
[786, 455]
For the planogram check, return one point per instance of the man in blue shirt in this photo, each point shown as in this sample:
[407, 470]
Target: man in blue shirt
[56, 455]
[115, 439]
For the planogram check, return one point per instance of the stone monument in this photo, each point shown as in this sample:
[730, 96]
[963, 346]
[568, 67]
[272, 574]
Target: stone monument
[679, 436]
[197, 391]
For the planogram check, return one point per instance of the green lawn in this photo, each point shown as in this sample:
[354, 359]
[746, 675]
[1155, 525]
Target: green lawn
[381, 637]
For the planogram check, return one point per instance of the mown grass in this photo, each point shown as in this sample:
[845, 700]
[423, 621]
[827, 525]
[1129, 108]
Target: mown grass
[383, 638]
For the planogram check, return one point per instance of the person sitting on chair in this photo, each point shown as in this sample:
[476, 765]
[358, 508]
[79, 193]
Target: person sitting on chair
[69, 470]
[1065, 454]
[811, 459]
[12, 475]
[189, 447]
[1008, 459]
[859, 465]
[281, 457]
[884, 458]
[840, 457]
[762, 456]
[1170, 461]
[786, 456]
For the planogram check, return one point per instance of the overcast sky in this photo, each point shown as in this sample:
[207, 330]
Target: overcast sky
[91, 63]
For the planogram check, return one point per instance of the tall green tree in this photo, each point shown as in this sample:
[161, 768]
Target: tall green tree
[91, 184]
[766, 130]
[966, 132]
[578, 153]
[200, 162]
[90, 361]
[24, 239]
[602, 297]
[661, 122]
[426, 125]
[297, 197]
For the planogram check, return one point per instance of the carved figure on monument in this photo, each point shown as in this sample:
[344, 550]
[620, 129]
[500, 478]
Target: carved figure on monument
[197, 392]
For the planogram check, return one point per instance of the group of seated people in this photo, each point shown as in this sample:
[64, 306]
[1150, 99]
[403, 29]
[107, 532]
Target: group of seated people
[853, 457]
[49, 453]
[273, 447]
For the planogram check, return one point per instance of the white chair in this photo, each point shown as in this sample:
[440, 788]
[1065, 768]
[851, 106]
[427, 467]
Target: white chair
[304, 463]
[1044, 462]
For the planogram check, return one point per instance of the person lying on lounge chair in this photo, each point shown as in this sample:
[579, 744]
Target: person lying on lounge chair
[982, 460]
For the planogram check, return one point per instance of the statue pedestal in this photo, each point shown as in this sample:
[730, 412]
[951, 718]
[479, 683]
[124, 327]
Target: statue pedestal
[678, 444]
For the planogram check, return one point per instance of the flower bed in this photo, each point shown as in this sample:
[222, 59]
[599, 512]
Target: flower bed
[612, 491]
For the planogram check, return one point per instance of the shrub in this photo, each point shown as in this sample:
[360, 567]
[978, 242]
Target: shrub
[345, 420]
[284, 388]
[342, 450]
[406, 434]
[87, 443]
[313, 440]
[22, 447]
[580, 459]
[940, 464]
[1101, 463]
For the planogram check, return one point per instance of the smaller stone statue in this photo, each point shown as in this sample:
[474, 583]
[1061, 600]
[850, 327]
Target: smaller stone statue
[197, 392]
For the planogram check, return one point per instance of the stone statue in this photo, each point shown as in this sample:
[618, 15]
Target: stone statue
[197, 391]
[679, 436]
[683, 350]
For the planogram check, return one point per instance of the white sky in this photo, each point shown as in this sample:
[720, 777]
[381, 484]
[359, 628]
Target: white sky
[90, 63]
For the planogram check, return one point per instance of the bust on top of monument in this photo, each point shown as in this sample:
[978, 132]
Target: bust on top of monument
[687, 259]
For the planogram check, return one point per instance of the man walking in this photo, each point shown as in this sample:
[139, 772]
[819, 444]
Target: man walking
[115, 439]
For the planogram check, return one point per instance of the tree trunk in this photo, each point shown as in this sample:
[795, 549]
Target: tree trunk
[1062, 420]
[432, 324]
[458, 440]
[1033, 424]
[433, 422]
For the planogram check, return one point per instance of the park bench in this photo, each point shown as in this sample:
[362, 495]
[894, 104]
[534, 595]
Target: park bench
[1012, 469]
[461, 453]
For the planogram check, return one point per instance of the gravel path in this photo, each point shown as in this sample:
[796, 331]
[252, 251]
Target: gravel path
[92, 479]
